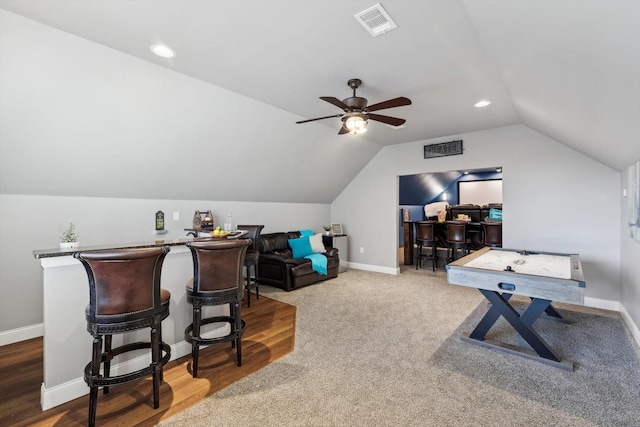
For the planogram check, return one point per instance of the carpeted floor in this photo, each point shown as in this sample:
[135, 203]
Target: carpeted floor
[379, 350]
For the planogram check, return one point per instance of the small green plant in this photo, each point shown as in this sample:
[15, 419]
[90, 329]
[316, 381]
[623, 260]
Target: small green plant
[326, 227]
[68, 234]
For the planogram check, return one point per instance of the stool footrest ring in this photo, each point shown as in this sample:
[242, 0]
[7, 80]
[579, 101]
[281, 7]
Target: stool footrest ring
[101, 381]
[188, 333]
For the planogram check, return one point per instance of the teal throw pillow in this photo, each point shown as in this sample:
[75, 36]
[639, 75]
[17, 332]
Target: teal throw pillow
[300, 247]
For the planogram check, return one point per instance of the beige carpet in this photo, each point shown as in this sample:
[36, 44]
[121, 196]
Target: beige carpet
[379, 350]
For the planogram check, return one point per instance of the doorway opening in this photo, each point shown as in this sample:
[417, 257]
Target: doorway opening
[476, 187]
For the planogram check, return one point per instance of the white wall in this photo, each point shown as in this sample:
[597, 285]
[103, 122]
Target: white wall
[554, 199]
[32, 222]
[630, 272]
[81, 119]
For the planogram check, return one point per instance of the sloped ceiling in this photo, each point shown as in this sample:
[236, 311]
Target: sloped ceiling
[568, 69]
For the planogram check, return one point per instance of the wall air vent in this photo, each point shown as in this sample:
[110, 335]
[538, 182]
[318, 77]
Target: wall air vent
[376, 20]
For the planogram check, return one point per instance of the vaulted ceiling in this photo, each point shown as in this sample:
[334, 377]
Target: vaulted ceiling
[568, 69]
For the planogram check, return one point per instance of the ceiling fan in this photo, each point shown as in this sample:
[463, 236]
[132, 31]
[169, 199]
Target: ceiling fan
[356, 113]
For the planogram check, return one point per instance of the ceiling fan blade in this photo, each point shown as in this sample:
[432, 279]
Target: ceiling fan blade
[320, 118]
[335, 101]
[343, 130]
[393, 121]
[395, 102]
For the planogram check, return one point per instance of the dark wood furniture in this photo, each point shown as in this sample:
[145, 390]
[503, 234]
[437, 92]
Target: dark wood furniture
[474, 234]
[125, 295]
[456, 239]
[217, 280]
[492, 234]
[251, 260]
[426, 237]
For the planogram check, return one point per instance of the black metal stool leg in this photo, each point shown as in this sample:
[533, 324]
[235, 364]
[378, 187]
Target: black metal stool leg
[238, 330]
[107, 361]
[95, 371]
[247, 286]
[155, 362]
[195, 348]
[255, 272]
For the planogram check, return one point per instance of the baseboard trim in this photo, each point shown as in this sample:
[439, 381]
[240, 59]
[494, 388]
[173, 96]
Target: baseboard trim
[21, 334]
[57, 395]
[604, 304]
[374, 268]
[635, 332]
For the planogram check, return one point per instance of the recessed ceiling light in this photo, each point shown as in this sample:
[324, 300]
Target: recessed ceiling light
[482, 103]
[162, 50]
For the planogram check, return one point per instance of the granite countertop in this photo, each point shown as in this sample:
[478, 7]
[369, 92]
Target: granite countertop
[56, 252]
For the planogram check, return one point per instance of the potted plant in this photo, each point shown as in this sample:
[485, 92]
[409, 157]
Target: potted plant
[68, 237]
[327, 229]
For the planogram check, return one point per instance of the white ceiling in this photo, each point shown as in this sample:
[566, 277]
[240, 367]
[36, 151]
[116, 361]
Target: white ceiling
[568, 69]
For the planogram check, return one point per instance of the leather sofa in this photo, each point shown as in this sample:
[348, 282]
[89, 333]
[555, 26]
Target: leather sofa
[277, 267]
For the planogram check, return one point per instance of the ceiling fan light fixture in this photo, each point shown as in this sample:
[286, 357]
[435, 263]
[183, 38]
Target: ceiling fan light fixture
[356, 123]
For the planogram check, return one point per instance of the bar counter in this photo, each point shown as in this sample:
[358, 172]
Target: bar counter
[66, 342]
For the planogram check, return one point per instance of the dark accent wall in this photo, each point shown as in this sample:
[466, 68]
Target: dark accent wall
[427, 188]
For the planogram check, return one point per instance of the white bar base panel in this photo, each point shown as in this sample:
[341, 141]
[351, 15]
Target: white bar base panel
[13, 336]
[59, 394]
[66, 342]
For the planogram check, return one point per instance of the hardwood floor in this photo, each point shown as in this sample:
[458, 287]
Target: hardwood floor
[269, 335]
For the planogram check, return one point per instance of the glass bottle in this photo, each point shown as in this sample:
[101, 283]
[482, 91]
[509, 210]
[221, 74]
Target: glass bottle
[229, 225]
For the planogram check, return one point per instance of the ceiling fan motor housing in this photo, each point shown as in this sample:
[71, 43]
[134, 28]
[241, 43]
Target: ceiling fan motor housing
[355, 102]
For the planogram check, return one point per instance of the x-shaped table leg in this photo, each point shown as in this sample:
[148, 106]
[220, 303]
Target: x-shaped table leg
[520, 322]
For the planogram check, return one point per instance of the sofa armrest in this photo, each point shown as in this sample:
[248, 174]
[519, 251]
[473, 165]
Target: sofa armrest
[331, 252]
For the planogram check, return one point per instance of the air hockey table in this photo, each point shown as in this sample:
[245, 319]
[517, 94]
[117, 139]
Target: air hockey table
[541, 276]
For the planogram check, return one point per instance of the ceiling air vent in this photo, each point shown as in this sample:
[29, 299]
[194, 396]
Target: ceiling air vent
[376, 20]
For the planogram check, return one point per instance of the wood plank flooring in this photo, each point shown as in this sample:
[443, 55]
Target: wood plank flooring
[269, 335]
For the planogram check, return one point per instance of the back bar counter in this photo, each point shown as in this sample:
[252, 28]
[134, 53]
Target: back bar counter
[67, 344]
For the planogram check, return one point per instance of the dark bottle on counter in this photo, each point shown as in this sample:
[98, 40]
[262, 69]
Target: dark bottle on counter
[159, 220]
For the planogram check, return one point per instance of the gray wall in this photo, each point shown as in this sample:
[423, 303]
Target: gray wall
[630, 272]
[32, 222]
[81, 119]
[123, 138]
[554, 199]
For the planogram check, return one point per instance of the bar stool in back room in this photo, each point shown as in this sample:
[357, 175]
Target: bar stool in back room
[492, 235]
[217, 281]
[456, 238]
[425, 236]
[124, 295]
[251, 260]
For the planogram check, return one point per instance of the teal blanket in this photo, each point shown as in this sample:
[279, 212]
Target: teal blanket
[318, 263]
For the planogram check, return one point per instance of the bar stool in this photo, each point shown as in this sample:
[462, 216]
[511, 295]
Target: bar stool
[492, 234]
[124, 295]
[217, 280]
[456, 238]
[251, 259]
[425, 236]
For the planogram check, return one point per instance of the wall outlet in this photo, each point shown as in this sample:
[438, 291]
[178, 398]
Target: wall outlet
[361, 250]
[176, 216]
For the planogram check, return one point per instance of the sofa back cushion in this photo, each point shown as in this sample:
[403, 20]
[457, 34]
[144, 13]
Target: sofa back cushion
[277, 243]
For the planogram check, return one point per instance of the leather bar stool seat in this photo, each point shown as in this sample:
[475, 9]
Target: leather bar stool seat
[492, 234]
[217, 281]
[124, 296]
[426, 236]
[456, 238]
